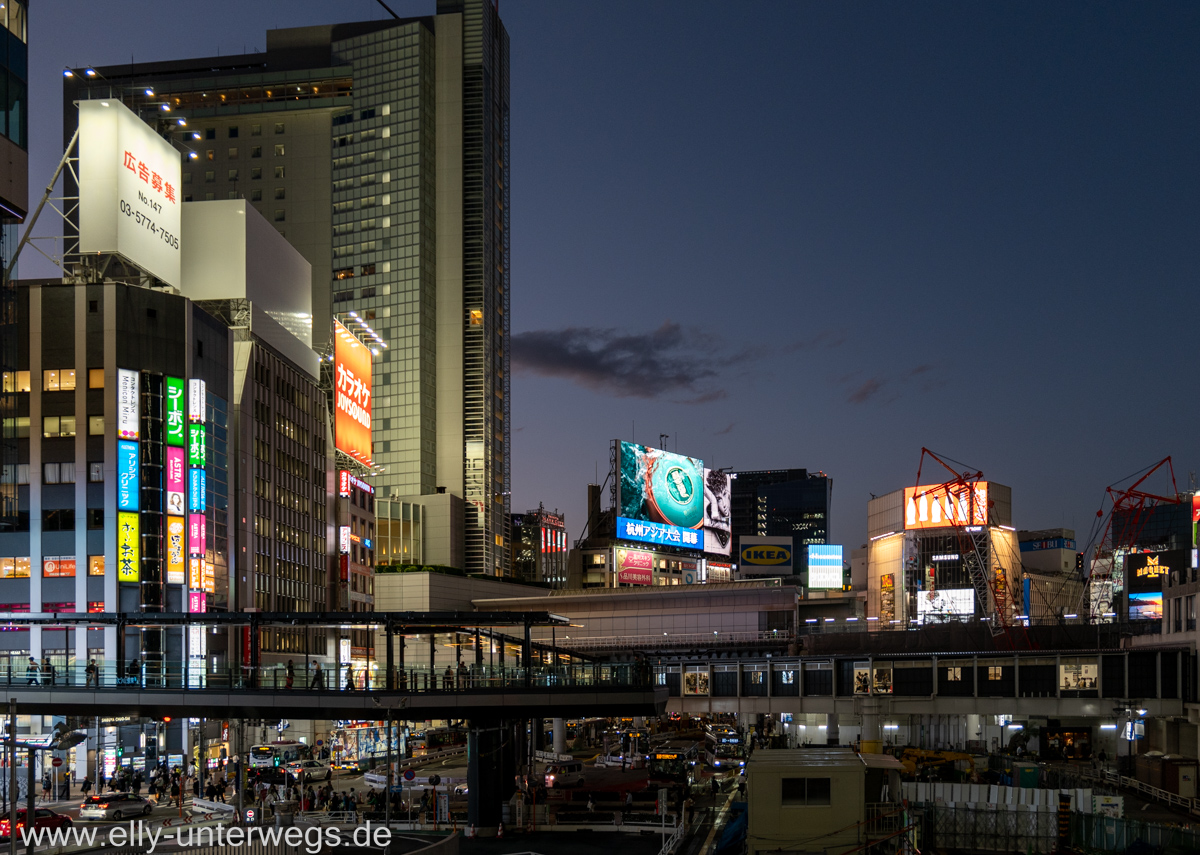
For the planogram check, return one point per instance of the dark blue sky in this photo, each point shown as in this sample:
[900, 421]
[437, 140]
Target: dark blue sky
[817, 235]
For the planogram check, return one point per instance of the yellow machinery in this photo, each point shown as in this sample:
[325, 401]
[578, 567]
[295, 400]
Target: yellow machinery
[917, 761]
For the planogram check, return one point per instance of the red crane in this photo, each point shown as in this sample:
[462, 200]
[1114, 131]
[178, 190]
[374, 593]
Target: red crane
[1123, 524]
[961, 504]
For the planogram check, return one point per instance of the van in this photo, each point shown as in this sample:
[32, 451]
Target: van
[564, 775]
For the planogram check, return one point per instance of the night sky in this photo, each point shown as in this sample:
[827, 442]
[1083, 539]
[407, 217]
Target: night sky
[816, 235]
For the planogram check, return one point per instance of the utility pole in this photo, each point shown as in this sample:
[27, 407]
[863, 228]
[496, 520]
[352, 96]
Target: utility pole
[387, 800]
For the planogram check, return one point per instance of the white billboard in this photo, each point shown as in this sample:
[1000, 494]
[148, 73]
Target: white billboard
[954, 603]
[129, 190]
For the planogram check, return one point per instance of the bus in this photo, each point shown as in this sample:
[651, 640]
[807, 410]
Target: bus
[723, 748]
[277, 754]
[673, 762]
[437, 739]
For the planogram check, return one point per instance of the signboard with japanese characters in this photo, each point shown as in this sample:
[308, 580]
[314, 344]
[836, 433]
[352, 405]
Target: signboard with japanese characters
[197, 528]
[127, 404]
[196, 399]
[129, 199]
[128, 550]
[127, 476]
[176, 535]
[175, 480]
[196, 444]
[352, 395]
[173, 423]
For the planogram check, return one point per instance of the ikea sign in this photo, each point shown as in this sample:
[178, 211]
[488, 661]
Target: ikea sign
[766, 555]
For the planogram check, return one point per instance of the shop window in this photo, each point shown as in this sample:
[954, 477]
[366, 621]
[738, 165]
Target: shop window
[14, 568]
[95, 565]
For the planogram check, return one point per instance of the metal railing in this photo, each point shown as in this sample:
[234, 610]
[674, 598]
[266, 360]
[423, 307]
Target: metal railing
[692, 639]
[1111, 777]
[328, 680]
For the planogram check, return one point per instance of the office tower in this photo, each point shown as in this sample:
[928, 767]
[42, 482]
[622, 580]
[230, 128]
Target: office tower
[783, 503]
[380, 150]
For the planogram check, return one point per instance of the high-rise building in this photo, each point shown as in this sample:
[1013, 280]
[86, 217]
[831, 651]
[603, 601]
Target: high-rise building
[791, 503]
[539, 543]
[380, 150]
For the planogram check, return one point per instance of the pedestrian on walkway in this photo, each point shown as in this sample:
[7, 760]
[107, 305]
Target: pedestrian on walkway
[91, 675]
[291, 675]
[86, 786]
[31, 672]
[46, 787]
[318, 677]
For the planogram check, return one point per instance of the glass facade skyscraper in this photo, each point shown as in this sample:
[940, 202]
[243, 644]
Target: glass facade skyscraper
[380, 150]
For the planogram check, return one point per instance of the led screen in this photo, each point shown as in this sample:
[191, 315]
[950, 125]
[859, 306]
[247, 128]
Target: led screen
[1145, 606]
[941, 506]
[824, 566]
[934, 606]
[718, 526]
[352, 394]
[660, 496]
[128, 548]
[175, 416]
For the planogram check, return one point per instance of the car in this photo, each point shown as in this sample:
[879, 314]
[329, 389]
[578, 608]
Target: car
[564, 775]
[310, 770]
[461, 789]
[42, 818]
[115, 806]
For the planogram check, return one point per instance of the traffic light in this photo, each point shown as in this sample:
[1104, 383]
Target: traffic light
[166, 719]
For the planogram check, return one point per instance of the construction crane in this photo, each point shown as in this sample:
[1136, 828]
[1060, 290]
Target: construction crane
[1122, 524]
[961, 505]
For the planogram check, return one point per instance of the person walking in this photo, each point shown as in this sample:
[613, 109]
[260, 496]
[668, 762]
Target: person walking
[349, 677]
[290, 680]
[86, 786]
[31, 672]
[48, 672]
[90, 675]
[318, 677]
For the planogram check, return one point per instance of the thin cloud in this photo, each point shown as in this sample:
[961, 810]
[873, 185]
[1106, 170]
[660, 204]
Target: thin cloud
[868, 390]
[725, 430]
[665, 361]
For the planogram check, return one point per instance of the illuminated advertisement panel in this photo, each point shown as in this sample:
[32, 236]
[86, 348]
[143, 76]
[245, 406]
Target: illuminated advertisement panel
[941, 506]
[196, 445]
[174, 404]
[175, 481]
[766, 556]
[196, 400]
[197, 481]
[954, 603]
[128, 549]
[127, 404]
[1195, 520]
[634, 566]
[718, 520]
[824, 566]
[127, 476]
[196, 534]
[660, 496]
[352, 394]
[196, 574]
[175, 550]
[129, 189]
[1145, 577]
[344, 540]
[196, 602]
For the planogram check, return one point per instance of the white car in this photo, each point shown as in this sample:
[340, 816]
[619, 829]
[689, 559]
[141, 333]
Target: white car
[115, 806]
[310, 770]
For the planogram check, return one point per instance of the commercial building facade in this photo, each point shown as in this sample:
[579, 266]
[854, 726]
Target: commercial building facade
[775, 503]
[380, 149]
[539, 543]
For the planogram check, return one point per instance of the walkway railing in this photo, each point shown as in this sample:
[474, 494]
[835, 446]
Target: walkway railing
[476, 678]
[1111, 777]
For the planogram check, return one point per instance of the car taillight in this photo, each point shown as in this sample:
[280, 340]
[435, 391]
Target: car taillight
[105, 805]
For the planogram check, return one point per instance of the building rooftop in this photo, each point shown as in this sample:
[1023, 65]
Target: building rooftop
[818, 758]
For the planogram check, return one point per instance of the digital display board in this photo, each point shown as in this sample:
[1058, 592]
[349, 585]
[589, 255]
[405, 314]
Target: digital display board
[176, 542]
[127, 476]
[352, 394]
[766, 556]
[1145, 605]
[944, 604]
[129, 189]
[718, 518]
[173, 402]
[197, 481]
[634, 566]
[127, 404]
[824, 566]
[660, 496]
[175, 481]
[128, 548]
[942, 506]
